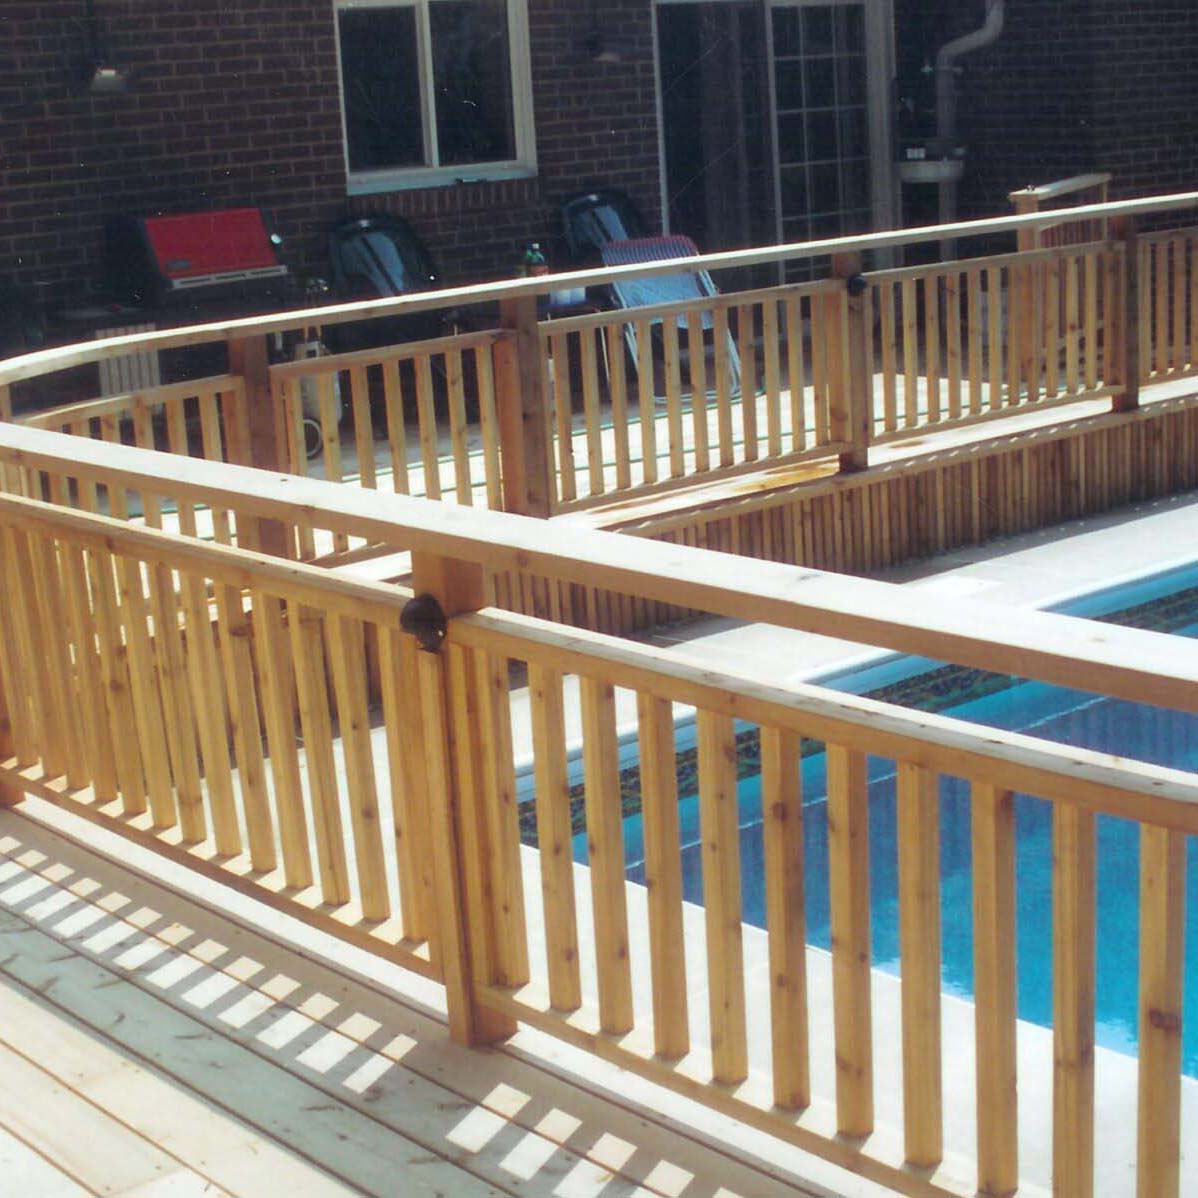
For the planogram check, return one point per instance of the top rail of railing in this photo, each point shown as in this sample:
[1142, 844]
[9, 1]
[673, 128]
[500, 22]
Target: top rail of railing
[1046, 192]
[46, 361]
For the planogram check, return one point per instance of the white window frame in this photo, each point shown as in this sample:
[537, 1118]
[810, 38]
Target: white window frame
[524, 165]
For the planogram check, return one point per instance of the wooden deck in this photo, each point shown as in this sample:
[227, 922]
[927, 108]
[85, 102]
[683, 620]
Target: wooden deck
[153, 1047]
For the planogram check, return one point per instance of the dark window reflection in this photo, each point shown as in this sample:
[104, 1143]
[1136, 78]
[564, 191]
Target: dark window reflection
[381, 80]
[472, 79]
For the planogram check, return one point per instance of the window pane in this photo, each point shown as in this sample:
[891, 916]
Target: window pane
[472, 77]
[381, 80]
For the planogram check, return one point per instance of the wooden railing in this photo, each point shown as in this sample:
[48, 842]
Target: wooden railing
[704, 389]
[540, 417]
[252, 687]
[1168, 305]
[1063, 193]
[421, 392]
[965, 340]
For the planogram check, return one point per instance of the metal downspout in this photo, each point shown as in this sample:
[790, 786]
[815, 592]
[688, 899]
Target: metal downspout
[946, 92]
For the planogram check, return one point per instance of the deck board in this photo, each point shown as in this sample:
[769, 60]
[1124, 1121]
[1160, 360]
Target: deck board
[28, 1172]
[338, 1055]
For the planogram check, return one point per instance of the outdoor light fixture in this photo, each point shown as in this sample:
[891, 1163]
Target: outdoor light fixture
[99, 76]
[601, 46]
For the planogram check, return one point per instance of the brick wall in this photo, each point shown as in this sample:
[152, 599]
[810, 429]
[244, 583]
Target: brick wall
[1146, 94]
[1070, 86]
[235, 102]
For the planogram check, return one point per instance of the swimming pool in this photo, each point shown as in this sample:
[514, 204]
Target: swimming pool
[1167, 602]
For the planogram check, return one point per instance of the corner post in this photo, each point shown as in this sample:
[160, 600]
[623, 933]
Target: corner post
[522, 401]
[1123, 324]
[462, 885]
[850, 361]
[248, 358]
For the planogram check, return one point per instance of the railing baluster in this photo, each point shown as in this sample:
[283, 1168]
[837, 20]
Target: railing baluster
[177, 709]
[403, 719]
[782, 831]
[143, 438]
[554, 836]
[1072, 326]
[605, 847]
[974, 288]
[723, 385]
[241, 694]
[1017, 327]
[1073, 906]
[796, 373]
[147, 705]
[499, 816]
[747, 349]
[1090, 262]
[995, 323]
[426, 415]
[721, 897]
[1160, 314]
[114, 673]
[819, 367]
[931, 333]
[848, 884]
[92, 712]
[47, 620]
[952, 335]
[563, 408]
[663, 876]
[1162, 957]
[698, 387]
[348, 661]
[673, 368]
[918, 822]
[456, 403]
[646, 404]
[1052, 332]
[1178, 254]
[1193, 297]
[889, 336]
[589, 367]
[773, 375]
[359, 398]
[210, 435]
[307, 655]
[397, 435]
[910, 354]
[993, 840]
[618, 387]
[277, 681]
[489, 430]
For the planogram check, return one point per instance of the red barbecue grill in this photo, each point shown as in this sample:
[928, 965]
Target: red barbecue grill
[195, 265]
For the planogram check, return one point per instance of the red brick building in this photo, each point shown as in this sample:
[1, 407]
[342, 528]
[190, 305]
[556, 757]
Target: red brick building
[734, 120]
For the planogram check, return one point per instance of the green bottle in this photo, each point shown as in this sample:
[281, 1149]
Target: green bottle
[533, 263]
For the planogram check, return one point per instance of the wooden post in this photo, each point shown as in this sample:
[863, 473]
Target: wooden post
[1162, 964]
[850, 364]
[460, 861]
[1074, 926]
[10, 795]
[1123, 324]
[523, 422]
[248, 359]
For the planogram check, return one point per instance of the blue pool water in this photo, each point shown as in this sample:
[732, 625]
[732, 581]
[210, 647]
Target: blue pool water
[1067, 716]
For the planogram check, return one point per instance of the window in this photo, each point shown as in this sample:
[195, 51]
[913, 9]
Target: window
[433, 91]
